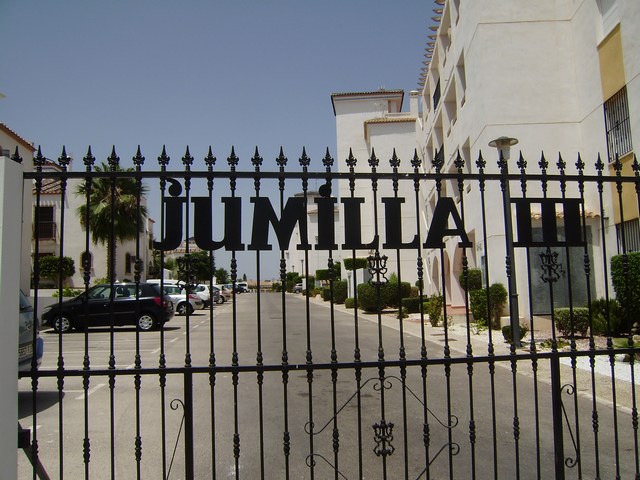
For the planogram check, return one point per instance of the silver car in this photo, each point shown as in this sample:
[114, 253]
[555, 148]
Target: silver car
[25, 339]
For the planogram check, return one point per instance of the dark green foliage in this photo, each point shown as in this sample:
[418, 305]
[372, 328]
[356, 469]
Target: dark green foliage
[322, 275]
[68, 292]
[508, 337]
[200, 266]
[478, 306]
[339, 292]
[355, 263]
[580, 321]
[627, 287]
[222, 276]
[599, 313]
[412, 304]
[368, 298]
[50, 267]
[391, 293]
[293, 277]
[276, 286]
[474, 279]
[433, 308]
[349, 302]
[497, 300]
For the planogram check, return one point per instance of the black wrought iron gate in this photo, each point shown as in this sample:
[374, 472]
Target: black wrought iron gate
[277, 385]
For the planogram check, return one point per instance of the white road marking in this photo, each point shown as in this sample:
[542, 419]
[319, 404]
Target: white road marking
[90, 391]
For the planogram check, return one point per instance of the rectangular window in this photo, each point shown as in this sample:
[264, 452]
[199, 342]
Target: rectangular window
[617, 124]
[631, 231]
[436, 95]
[46, 223]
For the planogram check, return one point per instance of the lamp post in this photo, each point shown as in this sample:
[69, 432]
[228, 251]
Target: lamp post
[503, 145]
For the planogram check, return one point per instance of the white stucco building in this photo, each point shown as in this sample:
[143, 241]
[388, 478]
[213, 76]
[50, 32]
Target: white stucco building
[540, 72]
[72, 241]
[373, 122]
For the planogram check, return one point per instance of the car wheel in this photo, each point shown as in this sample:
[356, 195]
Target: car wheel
[220, 300]
[182, 308]
[146, 322]
[62, 324]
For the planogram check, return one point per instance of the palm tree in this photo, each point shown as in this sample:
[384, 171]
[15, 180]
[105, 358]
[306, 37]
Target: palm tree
[119, 204]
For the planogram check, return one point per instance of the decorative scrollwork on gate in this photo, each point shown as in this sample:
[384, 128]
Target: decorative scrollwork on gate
[383, 430]
[569, 389]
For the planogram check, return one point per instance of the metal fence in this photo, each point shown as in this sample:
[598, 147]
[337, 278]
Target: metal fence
[277, 385]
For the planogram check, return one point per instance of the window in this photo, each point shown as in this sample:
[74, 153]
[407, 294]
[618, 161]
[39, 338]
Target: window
[436, 95]
[46, 228]
[127, 260]
[631, 230]
[616, 119]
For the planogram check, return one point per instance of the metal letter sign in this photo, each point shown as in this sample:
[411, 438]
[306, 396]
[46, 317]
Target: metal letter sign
[572, 222]
[294, 213]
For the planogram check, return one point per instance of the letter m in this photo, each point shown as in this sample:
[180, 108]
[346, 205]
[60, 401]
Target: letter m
[263, 215]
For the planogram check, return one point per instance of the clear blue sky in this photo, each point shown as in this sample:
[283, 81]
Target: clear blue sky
[199, 73]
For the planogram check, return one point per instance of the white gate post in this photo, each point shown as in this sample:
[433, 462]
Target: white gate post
[11, 186]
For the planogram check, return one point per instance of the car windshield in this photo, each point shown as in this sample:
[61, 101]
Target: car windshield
[171, 290]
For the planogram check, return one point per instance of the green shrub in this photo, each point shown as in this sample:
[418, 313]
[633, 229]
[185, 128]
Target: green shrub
[276, 286]
[498, 300]
[506, 332]
[68, 292]
[412, 304]
[478, 305]
[339, 292]
[349, 302]
[368, 298]
[390, 294]
[402, 313]
[627, 287]
[49, 267]
[562, 318]
[474, 279]
[599, 312]
[355, 263]
[433, 308]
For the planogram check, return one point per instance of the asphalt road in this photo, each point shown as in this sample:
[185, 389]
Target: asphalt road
[239, 421]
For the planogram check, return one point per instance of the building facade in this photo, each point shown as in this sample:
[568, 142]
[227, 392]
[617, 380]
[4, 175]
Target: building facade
[557, 77]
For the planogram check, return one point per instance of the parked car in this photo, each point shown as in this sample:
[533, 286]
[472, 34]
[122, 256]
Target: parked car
[181, 301]
[205, 294]
[223, 293]
[27, 323]
[297, 288]
[93, 308]
[242, 287]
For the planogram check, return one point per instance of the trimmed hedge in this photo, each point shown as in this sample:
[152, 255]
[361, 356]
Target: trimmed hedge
[474, 279]
[349, 302]
[627, 287]
[339, 292]
[412, 304]
[433, 308]
[355, 263]
[580, 321]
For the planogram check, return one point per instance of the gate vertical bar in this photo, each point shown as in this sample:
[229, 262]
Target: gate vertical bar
[210, 161]
[481, 164]
[232, 161]
[281, 161]
[63, 160]
[416, 163]
[89, 161]
[163, 161]
[304, 162]
[138, 161]
[257, 162]
[351, 162]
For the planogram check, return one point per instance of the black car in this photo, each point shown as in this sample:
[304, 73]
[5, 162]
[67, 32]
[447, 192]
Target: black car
[93, 308]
